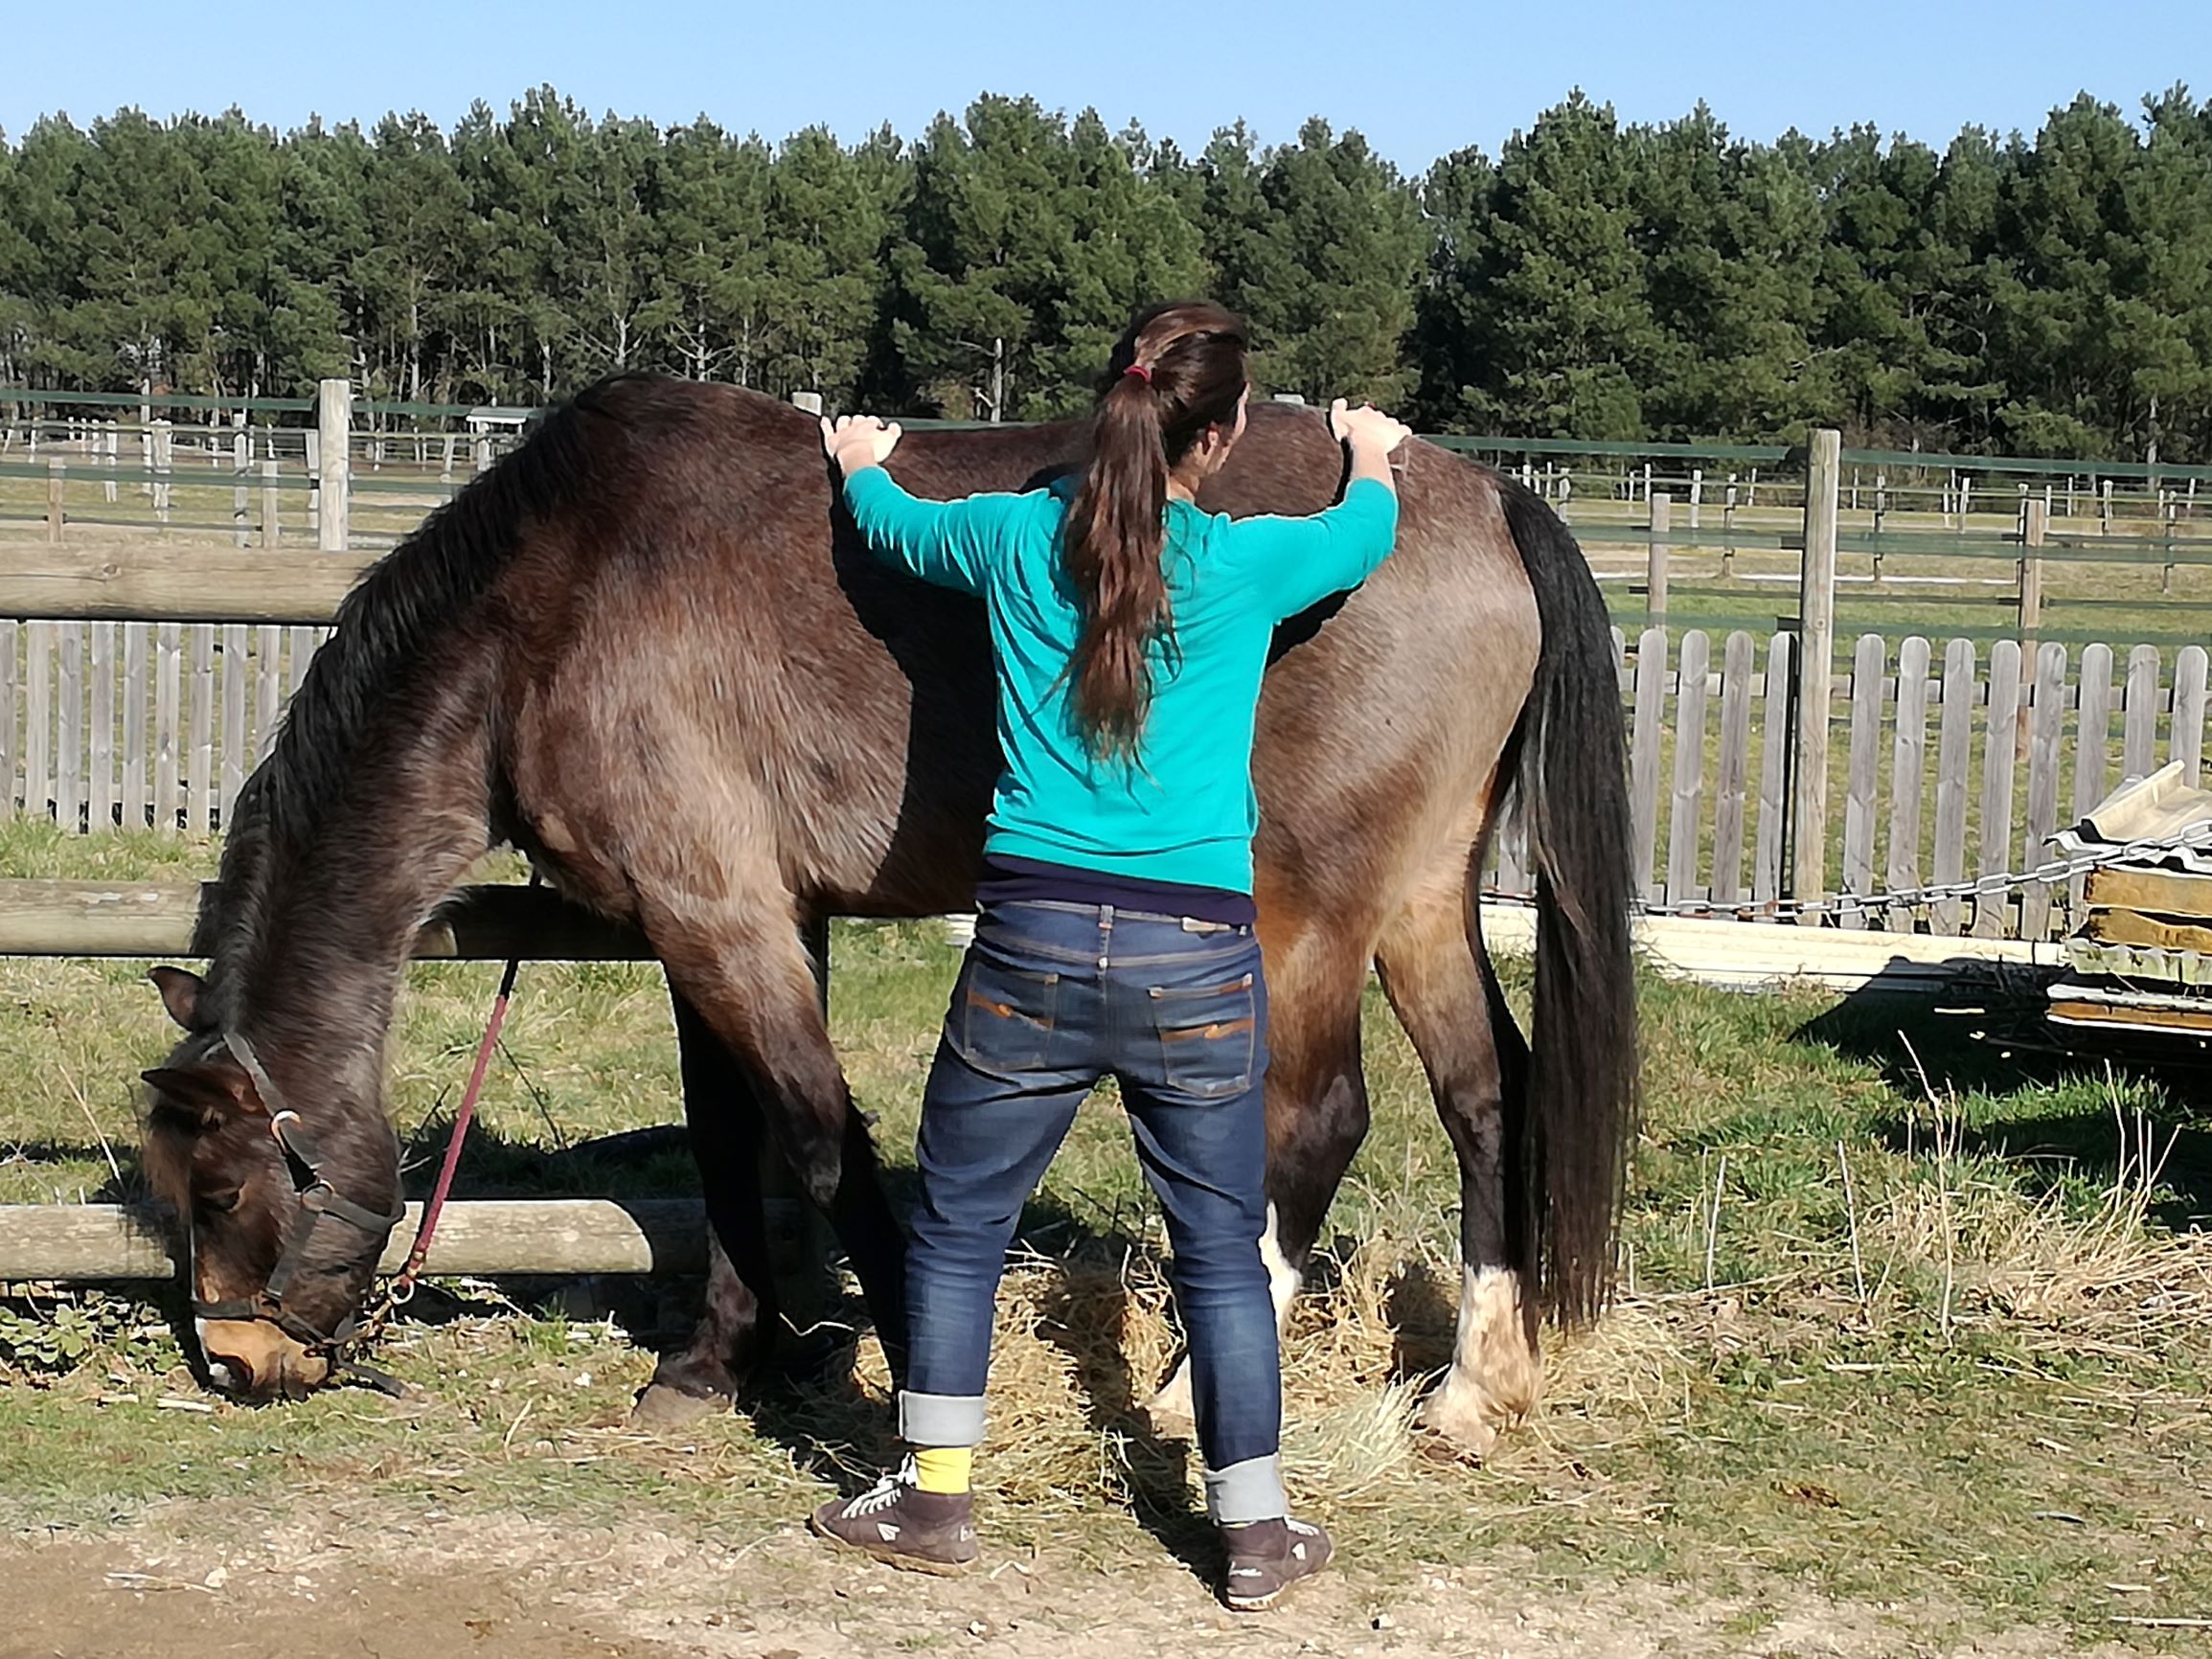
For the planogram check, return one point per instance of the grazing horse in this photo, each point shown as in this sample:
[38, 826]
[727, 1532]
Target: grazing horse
[648, 650]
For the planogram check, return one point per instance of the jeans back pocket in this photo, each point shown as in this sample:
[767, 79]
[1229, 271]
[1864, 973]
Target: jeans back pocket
[1209, 1036]
[1002, 1016]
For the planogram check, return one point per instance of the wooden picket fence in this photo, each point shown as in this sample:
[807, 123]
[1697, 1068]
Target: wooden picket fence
[1944, 770]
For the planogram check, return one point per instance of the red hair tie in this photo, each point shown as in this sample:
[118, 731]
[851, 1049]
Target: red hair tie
[1141, 371]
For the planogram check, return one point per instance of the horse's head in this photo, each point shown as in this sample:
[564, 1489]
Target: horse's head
[282, 1222]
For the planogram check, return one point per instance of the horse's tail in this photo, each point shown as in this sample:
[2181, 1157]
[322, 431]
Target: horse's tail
[1572, 781]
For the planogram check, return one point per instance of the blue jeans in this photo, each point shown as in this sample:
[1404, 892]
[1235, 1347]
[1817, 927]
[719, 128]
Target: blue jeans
[1052, 997]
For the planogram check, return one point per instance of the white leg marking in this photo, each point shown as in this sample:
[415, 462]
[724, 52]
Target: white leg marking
[1171, 1409]
[1496, 1373]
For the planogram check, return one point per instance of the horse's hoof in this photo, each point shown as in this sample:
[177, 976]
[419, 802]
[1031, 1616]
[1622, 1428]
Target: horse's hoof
[1455, 1418]
[662, 1406]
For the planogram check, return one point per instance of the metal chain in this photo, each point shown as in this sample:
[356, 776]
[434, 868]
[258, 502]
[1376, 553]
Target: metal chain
[2057, 870]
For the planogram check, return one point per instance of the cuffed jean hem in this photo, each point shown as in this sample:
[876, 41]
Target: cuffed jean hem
[930, 1419]
[1252, 1490]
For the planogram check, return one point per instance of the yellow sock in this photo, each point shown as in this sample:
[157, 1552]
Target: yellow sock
[943, 1468]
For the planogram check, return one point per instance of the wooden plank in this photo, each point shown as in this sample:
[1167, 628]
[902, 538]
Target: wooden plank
[10, 744]
[1773, 759]
[1686, 812]
[2157, 932]
[151, 580]
[2137, 963]
[1868, 661]
[1816, 618]
[200, 751]
[100, 799]
[137, 918]
[2044, 754]
[268, 687]
[137, 701]
[1991, 910]
[39, 719]
[1907, 775]
[237, 671]
[2167, 891]
[2139, 719]
[2186, 741]
[1733, 772]
[167, 685]
[1644, 756]
[2093, 742]
[69, 731]
[71, 1243]
[302, 646]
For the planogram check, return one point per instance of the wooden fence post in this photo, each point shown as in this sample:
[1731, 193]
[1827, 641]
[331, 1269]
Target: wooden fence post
[1817, 635]
[334, 424]
[57, 473]
[810, 401]
[1662, 511]
[2035, 519]
[271, 531]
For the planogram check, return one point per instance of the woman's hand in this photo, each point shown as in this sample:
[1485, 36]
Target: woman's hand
[855, 442]
[1366, 429]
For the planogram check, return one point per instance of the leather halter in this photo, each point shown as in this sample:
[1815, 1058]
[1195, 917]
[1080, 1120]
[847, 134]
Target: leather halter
[318, 1202]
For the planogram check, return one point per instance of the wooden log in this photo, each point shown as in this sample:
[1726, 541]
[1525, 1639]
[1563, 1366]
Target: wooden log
[1907, 773]
[1661, 507]
[1773, 759]
[272, 529]
[1996, 790]
[57, 473]
[2035, 516]
[511, 1237]
[334, 426]
[1816, 621]
[1685, 813]
[157, 581]
[154, 919]
[1732, 774]
[1863, 772]
[2043, 755]
[1644, 757]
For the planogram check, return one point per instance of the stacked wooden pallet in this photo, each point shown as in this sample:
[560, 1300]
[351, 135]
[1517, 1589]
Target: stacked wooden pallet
[2141, 959]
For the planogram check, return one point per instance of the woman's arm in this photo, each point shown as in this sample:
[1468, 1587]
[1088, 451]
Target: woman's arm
[944, 542]
[1298, 562]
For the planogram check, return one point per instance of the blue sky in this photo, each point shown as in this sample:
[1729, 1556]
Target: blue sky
[1419, 77]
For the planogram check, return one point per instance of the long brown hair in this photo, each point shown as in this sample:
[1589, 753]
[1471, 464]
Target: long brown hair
[1179, 370]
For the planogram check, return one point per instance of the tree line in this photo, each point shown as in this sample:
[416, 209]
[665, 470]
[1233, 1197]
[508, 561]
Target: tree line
[1594, 280]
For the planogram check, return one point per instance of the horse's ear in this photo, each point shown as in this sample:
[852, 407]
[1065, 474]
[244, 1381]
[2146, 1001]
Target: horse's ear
[180, 990]
[203, 1094]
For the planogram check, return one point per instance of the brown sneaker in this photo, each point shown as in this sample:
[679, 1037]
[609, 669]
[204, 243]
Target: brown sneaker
[1266, 1558]
[896, 1522]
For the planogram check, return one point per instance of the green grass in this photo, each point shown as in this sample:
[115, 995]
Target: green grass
[1996, 1410]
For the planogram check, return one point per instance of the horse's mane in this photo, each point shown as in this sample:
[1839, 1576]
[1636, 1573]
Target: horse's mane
[390, 621]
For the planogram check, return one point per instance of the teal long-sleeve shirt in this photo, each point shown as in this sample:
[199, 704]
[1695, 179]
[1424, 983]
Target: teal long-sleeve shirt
[1184, 811]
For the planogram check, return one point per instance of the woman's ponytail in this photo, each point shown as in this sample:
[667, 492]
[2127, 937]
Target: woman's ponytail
[1178, 371]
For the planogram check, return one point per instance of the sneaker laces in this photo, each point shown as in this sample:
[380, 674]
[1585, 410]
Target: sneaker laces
[885, 1493]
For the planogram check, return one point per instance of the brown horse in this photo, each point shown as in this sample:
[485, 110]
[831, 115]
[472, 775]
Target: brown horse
[648, 650]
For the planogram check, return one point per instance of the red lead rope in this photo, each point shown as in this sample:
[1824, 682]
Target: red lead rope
[403, 1285]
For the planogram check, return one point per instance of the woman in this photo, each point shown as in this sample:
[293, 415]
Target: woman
[1130, 630]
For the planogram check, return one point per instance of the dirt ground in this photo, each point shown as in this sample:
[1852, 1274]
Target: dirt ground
[506, 1587]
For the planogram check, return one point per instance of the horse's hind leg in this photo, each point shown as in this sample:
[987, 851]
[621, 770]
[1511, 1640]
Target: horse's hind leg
[1440, 984]
[738, 1324]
